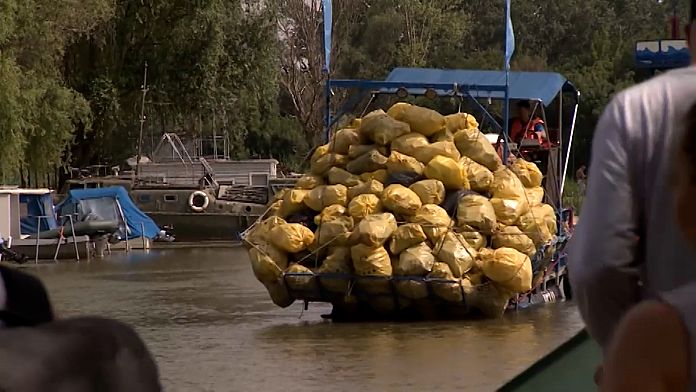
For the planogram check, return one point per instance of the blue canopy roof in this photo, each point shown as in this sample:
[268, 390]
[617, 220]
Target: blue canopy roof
[543, 86]
[100, 202]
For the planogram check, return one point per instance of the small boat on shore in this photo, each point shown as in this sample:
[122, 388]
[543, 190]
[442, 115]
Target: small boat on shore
[27, 213]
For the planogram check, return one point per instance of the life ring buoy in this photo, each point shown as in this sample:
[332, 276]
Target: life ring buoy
[198, 207]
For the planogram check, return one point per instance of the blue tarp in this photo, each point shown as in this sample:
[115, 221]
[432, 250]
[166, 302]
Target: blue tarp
[543, 86]
[101, 203]
[37, 206]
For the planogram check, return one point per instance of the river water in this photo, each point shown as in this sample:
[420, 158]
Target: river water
[212, 327]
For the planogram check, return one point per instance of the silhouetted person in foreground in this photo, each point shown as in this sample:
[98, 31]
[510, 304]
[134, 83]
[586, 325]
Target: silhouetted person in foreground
[39, 353]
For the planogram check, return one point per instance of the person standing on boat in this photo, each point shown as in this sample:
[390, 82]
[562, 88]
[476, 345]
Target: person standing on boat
[628, 247]
[524, 126]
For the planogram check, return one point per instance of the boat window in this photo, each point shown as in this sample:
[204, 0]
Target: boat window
[144, 198]
[171, 198]
[258, 179]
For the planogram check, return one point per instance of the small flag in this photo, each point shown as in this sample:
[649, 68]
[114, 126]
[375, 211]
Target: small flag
[328, 27]
[509, 36]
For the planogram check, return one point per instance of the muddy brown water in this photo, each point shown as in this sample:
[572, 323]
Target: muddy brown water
[212, 327]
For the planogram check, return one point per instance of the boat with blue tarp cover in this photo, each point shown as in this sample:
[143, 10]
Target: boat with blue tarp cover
[110, 204]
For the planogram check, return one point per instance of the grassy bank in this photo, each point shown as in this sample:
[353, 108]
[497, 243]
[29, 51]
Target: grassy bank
[572, 196]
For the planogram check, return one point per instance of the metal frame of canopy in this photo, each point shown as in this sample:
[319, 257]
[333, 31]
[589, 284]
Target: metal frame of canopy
[465, 90]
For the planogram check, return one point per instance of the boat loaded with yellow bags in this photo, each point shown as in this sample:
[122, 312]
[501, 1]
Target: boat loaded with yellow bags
[411, 214]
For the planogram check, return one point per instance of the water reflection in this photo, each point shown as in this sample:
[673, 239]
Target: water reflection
[212, 328]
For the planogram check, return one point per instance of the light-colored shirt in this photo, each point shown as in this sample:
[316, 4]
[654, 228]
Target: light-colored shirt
[627, 246]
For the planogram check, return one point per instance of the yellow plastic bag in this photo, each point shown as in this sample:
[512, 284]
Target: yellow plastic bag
[335, 232]
[291, 237]
[548, 214]
[475, 145]
[307, 281]
[422, 120]
[479, 176]
[509, 211]
[434, 220]
[508, 268]
[417, 260]
[429, 191]
[449, 291]
[476, 211]
[309, 182]
[265, 248]
[375, 230]
[326, 195]
[343, 139]
[371, 187]
[448, 171]
[319, 152]
[357, 150]
[326, 162]
[400, 200]
[406, 236]
[454, 251]
[279, 293]
[506, 185]
[426, 154]
[527, 172]
[330, 213]
[412, 289]
[513, 237]
[443, 136]
[293, 202]
[261, 231]
[364, 205]
[473, 237]
[263, 266]
[441, 271]
[535, 196]
[382, 129]
[337, 175]
[458, 121]
[409, 143]
[377, 175]
[368, 162]
[354, 123]
[400, 163]
[337, 262]
[536, 228]
[370, 261]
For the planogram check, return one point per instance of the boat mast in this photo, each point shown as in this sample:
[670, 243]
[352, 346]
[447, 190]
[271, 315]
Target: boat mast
[144, 89]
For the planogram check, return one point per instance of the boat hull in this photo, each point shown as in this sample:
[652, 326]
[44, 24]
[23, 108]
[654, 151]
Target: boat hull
[570, 367]
[46, 249]
[203, 226]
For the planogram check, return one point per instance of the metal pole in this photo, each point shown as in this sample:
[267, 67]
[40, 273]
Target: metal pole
[142, 234]
[72, 230]
[38, 237]
[142, 122]
[563, 162]
[506, 104]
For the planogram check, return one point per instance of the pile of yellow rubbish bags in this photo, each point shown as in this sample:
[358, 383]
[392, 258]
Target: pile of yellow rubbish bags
[412, 195]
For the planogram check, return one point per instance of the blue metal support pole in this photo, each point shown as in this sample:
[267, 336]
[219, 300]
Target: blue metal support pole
[509, 50]
[327, 11]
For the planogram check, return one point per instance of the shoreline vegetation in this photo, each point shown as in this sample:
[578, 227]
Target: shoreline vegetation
[71, 72]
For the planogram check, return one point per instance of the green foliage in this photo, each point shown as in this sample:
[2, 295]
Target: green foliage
[71, 71]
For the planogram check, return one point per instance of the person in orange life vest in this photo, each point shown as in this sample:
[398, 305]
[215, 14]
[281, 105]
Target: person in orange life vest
[523, 126]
